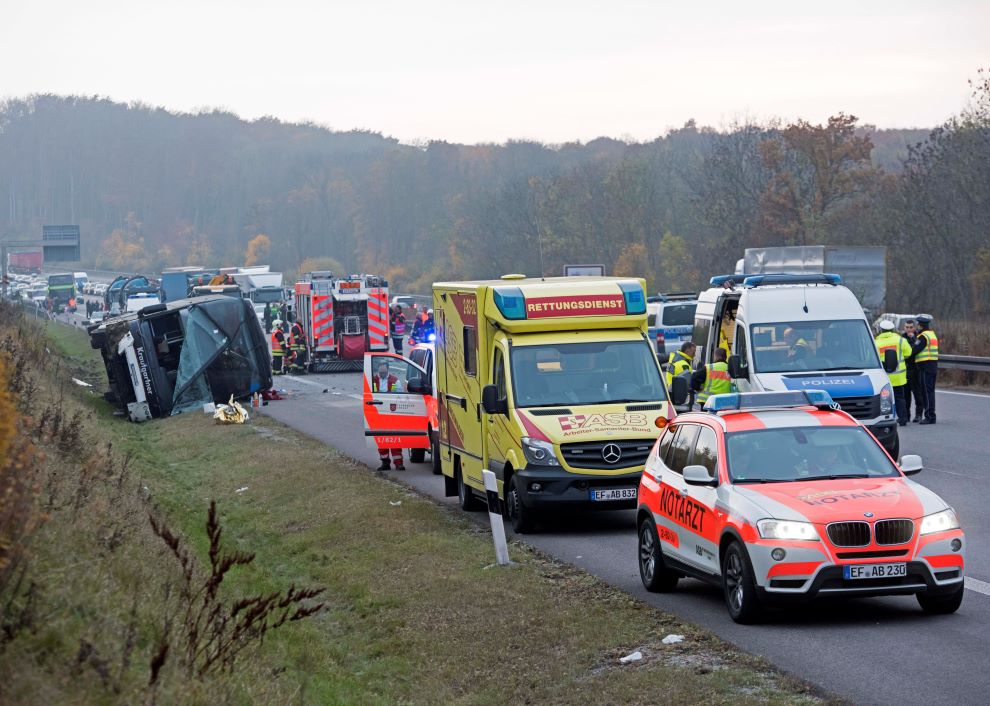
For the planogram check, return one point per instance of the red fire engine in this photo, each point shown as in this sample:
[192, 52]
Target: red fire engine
[343, 317]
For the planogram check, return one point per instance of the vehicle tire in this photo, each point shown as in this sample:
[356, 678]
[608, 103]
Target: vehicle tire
[435, 454]
[739, 587]
[941, 605]
[465, 496]
[417, 455]
[521, 517]
[656, 577]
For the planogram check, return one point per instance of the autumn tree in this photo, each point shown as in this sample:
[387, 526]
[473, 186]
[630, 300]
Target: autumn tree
[258, 249]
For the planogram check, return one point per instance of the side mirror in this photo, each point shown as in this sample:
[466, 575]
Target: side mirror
[419, 386]
[890, 360]
[911, 464]
[679, 390]
[698, 475]
[737, 369]
[490, 401]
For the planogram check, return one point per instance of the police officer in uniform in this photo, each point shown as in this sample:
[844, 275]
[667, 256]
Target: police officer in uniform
[888, 340]
[926, 359]
[913, 390]
[713, 378]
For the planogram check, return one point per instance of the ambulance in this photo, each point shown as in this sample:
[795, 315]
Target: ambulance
[552, 384]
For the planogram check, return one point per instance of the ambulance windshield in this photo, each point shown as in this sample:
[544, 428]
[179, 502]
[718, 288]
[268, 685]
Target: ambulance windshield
[789, 347]
[585, 373]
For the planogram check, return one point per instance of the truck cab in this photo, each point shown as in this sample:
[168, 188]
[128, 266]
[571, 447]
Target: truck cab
[551, 384]
[798, 332]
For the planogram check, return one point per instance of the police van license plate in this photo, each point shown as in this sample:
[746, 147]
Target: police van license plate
[614, 494]
[874, 571]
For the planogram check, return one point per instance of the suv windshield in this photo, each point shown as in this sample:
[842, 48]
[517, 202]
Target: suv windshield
[585, 373]
[679, 314]
[805, 453]
[798, 346]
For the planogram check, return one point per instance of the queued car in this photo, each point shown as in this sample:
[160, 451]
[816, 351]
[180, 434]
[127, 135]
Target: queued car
[779, 496]
[670, 318]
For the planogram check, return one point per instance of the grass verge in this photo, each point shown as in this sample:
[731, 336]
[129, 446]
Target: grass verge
[414, 615]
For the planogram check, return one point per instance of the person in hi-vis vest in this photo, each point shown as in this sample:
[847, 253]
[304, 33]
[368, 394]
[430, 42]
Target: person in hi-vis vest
[384, 381]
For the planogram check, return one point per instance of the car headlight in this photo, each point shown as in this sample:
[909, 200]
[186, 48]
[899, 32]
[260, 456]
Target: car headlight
[939, 522]
[887, 400]
[787, 529]
[539, 452]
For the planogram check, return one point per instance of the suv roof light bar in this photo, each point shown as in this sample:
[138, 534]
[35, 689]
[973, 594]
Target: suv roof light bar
[795, 278]
[746, 401]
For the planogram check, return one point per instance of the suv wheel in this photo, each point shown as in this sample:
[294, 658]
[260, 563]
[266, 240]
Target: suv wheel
[654, 573]
[941, 605]
[739, 586]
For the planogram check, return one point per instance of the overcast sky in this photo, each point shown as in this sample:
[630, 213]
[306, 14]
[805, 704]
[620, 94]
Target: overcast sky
[489, 71]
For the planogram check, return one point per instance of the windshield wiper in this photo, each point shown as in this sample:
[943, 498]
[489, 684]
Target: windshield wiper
[839, 476]
[840, 367]
[767, 480]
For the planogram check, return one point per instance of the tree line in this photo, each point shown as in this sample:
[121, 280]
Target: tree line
[151, 188]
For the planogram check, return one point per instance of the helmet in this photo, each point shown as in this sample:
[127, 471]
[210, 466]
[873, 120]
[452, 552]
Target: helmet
[886, 325]
[429, 312]
[277, 323]
[924, 319]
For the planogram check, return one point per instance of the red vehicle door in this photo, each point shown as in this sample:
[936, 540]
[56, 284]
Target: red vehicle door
[395, 414]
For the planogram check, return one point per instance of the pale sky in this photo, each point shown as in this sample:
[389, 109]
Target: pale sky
[468, 71]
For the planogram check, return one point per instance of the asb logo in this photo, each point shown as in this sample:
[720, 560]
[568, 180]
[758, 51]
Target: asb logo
[392, 407]
[601, 421]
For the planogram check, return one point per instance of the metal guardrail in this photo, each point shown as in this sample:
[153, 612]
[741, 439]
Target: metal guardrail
[964, 362]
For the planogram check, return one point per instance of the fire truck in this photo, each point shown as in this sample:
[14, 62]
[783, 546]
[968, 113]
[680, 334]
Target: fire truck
[343, 317]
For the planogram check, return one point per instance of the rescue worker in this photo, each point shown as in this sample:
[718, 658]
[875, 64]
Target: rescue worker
[297, 342]
[726, 331]
[888, 340]
[280, 348]
[926, 359]
[419, 331]
[397, 326]
[798, 347]
[713, 378]
[910, 335]
[384, 381]
[429, 325]
[679, 361]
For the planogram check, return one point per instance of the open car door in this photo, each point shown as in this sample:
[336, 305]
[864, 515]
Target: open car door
[395, 415]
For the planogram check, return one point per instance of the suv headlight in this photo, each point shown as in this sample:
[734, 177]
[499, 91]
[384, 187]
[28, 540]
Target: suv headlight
[887, 400]
[787, 529]
[539, 452]
[939, 522]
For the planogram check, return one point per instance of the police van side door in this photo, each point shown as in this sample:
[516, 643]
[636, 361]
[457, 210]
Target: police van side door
[396, 418]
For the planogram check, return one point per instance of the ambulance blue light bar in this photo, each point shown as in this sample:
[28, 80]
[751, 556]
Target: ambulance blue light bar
[510, 302]
[735, 401]
[635, 297]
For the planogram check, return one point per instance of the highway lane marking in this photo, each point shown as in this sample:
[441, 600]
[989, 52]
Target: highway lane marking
[978, 586]
[963, 394]
[951, 473]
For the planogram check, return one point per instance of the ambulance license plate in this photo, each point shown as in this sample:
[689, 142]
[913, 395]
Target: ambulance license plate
[613, 494]
[874, 571]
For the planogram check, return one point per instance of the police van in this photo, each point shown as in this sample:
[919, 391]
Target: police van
[552, 384]
[799, 332]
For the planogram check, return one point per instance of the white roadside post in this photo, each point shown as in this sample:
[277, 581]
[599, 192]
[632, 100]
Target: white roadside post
[498, 529]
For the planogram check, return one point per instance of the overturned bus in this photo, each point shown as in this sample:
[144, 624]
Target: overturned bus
[171, 358]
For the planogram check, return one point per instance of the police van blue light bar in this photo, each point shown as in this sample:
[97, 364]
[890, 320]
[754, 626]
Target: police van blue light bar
[735, 401]
[796, 278]
[635, 297]
[510, 302]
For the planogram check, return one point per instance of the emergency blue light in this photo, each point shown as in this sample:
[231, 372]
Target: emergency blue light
[793, 278]
[431, 338]
[719, 280]
[635, 297]
[510, 302]
[769, 400]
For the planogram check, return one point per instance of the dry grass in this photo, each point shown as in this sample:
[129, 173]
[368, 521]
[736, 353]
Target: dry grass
[964, 338]
[413, 614]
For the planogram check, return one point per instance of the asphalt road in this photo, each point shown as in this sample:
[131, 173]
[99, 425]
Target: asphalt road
[870, 651]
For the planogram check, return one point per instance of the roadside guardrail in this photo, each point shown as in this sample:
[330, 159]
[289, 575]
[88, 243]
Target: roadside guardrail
[964, 362]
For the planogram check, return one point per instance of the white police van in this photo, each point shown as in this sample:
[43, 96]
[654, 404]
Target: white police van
[799, 332]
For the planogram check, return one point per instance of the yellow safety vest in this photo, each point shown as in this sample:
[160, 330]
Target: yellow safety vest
[930, 351]
[888, 340]
[677, 363]
[717, 381]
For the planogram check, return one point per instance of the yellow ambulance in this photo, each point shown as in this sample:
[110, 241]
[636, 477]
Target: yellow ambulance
[553, 385]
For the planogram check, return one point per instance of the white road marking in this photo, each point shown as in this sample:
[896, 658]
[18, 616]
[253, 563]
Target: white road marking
[978, 586]
[963, 394]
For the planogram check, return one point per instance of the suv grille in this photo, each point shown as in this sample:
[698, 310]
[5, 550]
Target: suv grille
[860, 407]
[849, 534]
[588, 454]
[893, 531]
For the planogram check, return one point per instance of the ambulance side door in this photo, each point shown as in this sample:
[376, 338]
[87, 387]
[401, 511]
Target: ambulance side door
[395, 418]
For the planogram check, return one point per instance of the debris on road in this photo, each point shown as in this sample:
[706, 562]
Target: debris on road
[672, 639]
[634, 657]
[241, 489]
[230, 413]
[395, 504]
